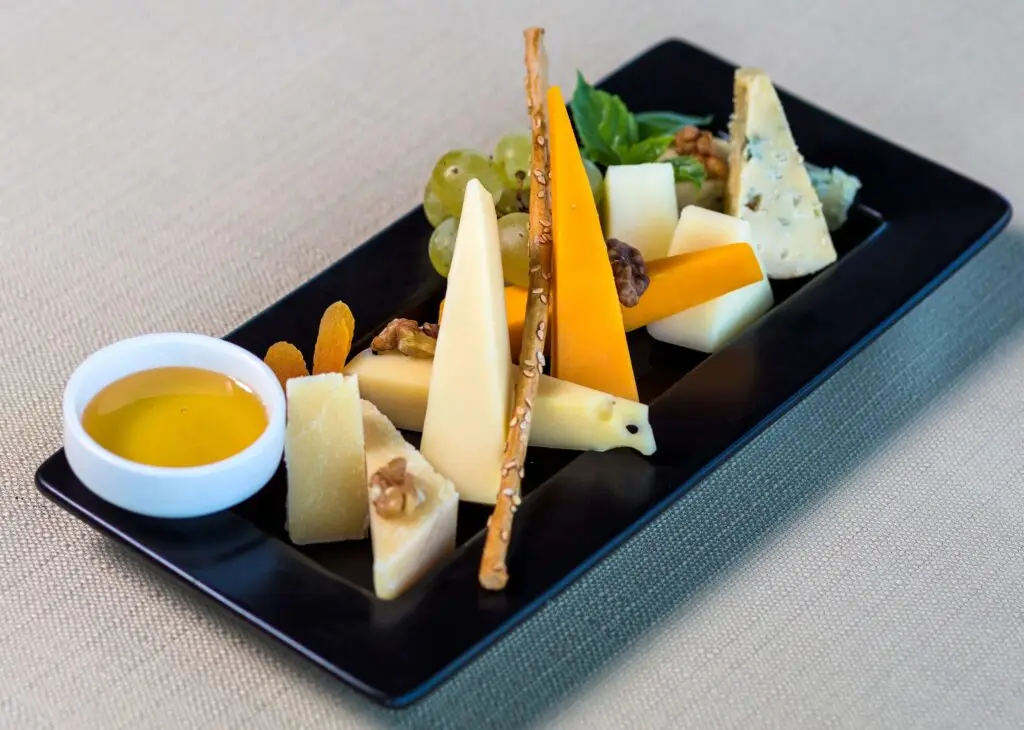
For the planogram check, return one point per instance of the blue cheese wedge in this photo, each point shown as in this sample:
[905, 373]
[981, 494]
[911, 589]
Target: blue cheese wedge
[769, 186]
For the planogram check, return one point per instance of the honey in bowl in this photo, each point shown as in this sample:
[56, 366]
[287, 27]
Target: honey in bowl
[175, 417]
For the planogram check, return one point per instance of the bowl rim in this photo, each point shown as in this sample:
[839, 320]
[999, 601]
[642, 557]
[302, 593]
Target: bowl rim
[273, 401]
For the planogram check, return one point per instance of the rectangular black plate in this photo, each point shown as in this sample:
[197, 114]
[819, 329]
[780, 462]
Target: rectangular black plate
[915, 224]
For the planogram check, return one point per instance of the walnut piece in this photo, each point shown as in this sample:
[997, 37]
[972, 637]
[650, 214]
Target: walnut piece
[408, 338]
[630, 272]
[393, 491]
[701, 144]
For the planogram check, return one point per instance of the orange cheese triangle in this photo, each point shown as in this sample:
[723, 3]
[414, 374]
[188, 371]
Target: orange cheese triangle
[589, 343]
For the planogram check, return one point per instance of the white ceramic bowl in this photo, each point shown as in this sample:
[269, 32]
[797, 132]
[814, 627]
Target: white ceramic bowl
[172, 491]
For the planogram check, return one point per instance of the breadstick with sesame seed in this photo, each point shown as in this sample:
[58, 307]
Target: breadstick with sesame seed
[493, 573]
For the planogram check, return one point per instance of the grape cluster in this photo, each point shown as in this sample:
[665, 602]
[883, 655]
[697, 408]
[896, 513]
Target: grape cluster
[506, 174]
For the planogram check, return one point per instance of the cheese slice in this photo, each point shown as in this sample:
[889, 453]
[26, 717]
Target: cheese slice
[687, 280]
[565, 415]
[324, 456]
[710, 326]
[640, 207]
[769, 186]
[589, 339]
[406, 547]
[468, 401]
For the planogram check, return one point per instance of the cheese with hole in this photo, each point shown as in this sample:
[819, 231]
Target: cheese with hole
[687, 280]
[565, 415]
[589, 339]
[769, 187]
[710, 326]
[404, 548]
[640, 206]
[323, 453]
[468, 402]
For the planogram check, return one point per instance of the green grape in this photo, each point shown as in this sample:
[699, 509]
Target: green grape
[442, 245]
[595, 179]
[512, 202]
[512, 157]
[514, 236]
[454, 170]
[432, 205]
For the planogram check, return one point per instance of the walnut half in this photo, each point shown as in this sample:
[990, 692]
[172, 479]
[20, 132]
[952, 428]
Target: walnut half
[701, 144]
[631, 279]
[393, 491]
[408, 338]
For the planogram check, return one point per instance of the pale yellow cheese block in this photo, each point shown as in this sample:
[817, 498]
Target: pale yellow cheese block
[565, 415]
[404, 548]
[640, 207]
[710, 326]
[323, 454]
[468, 402]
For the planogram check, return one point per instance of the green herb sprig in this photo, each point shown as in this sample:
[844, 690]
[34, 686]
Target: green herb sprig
[612, 135]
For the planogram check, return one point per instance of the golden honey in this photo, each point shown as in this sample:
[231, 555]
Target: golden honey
[175, 417]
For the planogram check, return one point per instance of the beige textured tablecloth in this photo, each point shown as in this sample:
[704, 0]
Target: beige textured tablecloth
[180, 165]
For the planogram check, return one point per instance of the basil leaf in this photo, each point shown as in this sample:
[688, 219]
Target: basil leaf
[657, 123]
[617, 127]
[689, 169]
[588, 113]
[648, 150]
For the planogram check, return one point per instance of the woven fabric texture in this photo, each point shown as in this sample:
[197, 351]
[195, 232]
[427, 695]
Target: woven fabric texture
[179, 166]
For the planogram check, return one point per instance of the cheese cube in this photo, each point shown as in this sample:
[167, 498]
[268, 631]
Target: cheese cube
[640, 207]
[468, 402]
[324, 457]
[406, 547]
[710, 326]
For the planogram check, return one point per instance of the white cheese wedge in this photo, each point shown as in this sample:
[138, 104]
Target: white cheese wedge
[467, 406]
[640, 207]
[710, 326]
[565, 415]
[406, 547]
[324, 457]
[769, 186]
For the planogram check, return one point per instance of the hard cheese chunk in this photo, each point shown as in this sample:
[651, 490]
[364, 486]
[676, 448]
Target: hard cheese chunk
[565, 415]
[406, 547]
[589, 345]
[397, 384]
[640, 206]
[687, 280]
[769, 186]
[709, 326]
[467, 406]
[324, 457]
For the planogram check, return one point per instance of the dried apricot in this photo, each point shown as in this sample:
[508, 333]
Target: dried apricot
[334, 340]
[286, 361]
